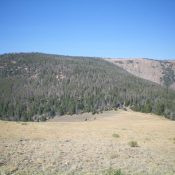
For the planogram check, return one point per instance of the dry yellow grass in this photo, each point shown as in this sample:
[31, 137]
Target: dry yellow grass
[89, 147]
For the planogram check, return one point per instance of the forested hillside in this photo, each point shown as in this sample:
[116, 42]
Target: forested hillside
[35, 86]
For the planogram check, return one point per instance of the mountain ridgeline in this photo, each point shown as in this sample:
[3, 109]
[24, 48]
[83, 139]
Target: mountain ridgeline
[35, 87]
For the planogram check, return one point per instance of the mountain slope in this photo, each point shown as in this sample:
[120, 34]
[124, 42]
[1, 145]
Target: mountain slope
[35, 86]
[161, 72]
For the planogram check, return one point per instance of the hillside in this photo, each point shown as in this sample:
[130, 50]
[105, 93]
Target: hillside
[161, 72]
[37, 86]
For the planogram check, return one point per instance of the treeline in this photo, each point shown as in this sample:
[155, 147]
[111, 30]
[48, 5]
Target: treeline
[35, 87]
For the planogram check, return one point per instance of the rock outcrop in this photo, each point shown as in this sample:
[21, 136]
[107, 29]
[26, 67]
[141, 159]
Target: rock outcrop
[161, 72]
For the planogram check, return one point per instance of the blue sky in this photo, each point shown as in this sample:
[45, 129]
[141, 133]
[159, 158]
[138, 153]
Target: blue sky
[106, 28]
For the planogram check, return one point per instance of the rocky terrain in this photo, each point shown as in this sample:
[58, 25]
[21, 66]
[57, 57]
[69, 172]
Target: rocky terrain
[136, 143]
[161, 72]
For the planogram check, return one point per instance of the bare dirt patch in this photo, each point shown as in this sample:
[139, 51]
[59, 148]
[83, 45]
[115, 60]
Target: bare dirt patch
[89, 147]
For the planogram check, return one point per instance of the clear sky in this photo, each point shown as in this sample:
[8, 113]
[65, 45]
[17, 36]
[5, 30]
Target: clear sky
[106, 28]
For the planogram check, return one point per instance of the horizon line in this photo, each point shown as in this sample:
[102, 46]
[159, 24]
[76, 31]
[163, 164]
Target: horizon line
[101, 57]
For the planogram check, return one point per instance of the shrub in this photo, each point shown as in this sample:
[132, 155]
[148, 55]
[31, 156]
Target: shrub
[115, 135]
[113, 156]
[23, 123]
[94, 112]
[113, 172]
[133, 144]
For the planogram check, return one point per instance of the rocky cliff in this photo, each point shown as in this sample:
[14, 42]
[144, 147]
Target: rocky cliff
[161, 72]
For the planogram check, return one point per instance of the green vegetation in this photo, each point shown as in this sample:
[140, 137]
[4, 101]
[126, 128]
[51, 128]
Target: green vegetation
[115, 135]
[35, 87]
[168, 75]
[174, 140]
[133, 144]
[113, 172]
